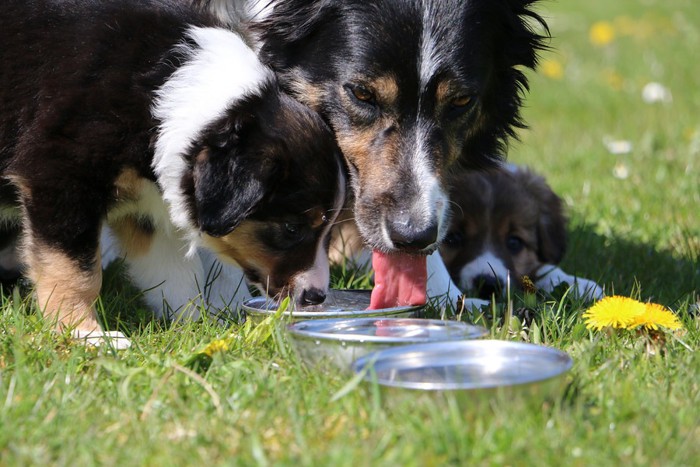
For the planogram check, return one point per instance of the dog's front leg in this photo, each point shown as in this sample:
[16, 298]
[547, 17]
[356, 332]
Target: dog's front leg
[66, 287]
[60, 249]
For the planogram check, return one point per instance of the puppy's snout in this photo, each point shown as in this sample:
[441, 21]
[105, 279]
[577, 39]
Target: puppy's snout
[406, 235]
[312, 296]
[486, 286]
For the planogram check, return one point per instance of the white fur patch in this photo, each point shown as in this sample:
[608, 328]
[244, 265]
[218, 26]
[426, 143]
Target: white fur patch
[429, 56]
[241, 11]
[432, 201]
[439, 282]
[99, 338]
[218, 71]
[258, 10]
[487, 264]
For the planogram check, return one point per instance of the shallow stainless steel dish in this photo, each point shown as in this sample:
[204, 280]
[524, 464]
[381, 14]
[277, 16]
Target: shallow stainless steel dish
[340, 341]
[338, 304]
[464, 365]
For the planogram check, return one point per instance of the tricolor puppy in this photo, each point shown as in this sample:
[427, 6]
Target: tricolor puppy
[410, 88]
[507, 223]
[144, 115]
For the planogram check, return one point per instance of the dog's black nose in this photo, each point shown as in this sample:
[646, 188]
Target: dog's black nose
[486, 285]
[405, 237]
[312, 297]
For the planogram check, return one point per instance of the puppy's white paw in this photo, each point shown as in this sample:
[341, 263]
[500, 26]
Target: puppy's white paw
[474, 303]
[550, 277]
[587, 289]
[99, 338]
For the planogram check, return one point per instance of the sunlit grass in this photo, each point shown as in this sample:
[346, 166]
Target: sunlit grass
[631, 398]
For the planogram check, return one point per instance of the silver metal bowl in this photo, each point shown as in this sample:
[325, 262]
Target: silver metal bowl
[464, 365]
[338, 304]
[340, 341]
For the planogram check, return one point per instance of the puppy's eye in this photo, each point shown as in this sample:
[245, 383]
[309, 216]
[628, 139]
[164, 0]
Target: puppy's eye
[293, 231]
[514, 244]
[453, 240]
[361, 94]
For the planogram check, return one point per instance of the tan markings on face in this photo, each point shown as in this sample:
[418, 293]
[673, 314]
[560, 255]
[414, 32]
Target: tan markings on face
[317, 217]
[134, 237]
[443, 92]
[243, 247]
[386, 90]
[518, 214]
[128, 185]
[376, 163]
[473, 227]
[65, 291]
[346, 241]
[304, 91]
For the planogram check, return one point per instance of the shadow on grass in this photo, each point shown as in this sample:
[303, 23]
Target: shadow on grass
[635, 269]
[623, 267]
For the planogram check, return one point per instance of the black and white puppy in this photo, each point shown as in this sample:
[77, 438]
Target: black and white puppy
[146, 116]
[412, 90]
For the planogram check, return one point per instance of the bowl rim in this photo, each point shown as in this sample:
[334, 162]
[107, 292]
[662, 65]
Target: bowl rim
[292, 312]
[462, 330]
[366, 363]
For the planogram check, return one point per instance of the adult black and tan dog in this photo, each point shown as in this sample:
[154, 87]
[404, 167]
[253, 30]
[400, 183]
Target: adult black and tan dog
[144, 115]
[412, 90]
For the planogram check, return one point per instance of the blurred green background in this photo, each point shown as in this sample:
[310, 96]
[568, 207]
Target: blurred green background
[614, 115]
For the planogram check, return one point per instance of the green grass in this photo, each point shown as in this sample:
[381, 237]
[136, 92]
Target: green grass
[629, 400]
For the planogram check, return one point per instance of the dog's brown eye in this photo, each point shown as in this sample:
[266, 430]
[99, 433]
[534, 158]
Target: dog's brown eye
[461, 101]
[362, 94]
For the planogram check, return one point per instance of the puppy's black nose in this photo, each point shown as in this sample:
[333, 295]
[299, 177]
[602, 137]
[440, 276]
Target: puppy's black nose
[312, 297]
[486, 286]
[405, 237]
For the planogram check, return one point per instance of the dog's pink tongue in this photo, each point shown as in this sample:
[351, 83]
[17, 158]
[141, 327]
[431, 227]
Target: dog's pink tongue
[399, 280]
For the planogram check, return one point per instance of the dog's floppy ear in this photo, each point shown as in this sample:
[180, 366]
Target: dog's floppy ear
[229, 181]
[551, 227]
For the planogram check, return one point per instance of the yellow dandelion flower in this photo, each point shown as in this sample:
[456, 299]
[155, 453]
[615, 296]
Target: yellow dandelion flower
[601, 33]
[614, 311]
[656, 316]
[626, 26]
[552, 69]
[528, 285]
[613, 79]
[690, 134]
[219, 345]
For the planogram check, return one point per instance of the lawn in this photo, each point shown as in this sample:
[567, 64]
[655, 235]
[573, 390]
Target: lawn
[630, 399]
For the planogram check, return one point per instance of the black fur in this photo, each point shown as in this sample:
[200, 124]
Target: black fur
[486, 42]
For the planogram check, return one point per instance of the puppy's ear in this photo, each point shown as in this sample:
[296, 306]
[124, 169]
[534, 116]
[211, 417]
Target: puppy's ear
[551, 227]
[229, 181]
